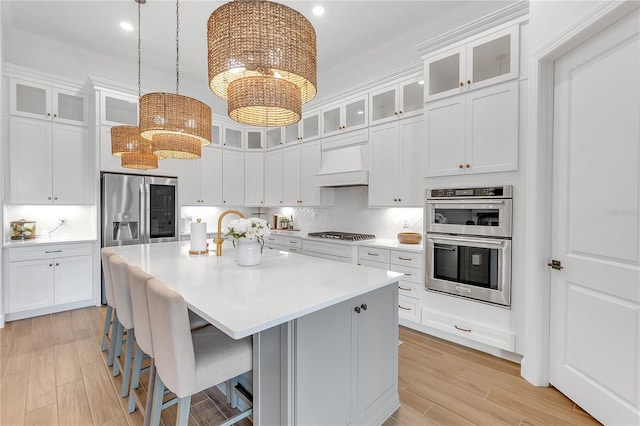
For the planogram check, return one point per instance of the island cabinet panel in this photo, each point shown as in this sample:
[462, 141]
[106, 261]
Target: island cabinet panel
[346, 361]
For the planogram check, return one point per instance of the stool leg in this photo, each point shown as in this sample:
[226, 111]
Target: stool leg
[118, 353]
[135, 379]
[156, 406]
[114, 338]
[107, 326]
[148, 406]
[184, 404]
[128, 355]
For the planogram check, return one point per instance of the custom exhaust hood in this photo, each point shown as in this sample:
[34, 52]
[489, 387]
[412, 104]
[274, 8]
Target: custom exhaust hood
[342, 167]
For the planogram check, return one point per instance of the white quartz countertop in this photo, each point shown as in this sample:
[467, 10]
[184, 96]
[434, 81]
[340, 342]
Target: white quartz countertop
[392, 244]
[242, 301]
[46, 241]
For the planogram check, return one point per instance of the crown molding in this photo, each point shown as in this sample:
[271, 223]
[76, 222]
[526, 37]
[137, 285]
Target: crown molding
[17, 71]
[514, 12]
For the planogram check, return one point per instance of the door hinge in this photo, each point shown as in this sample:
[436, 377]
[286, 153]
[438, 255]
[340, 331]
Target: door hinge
[555, 264]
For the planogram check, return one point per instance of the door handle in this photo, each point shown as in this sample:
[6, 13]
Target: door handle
[555, 264]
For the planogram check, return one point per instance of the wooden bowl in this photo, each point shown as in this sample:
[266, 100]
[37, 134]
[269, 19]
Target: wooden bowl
[410, 237]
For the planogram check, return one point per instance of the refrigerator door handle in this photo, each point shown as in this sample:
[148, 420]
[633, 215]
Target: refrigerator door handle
[144, 212]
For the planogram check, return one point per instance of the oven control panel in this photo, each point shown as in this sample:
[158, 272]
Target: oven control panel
[485, 192]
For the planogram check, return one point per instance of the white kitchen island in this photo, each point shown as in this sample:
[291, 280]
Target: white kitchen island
[325, 334]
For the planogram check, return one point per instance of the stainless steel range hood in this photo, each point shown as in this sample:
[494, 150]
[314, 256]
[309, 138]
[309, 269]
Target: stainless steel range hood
[342, 167]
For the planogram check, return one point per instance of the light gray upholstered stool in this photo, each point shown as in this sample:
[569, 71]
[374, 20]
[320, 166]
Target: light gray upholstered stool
[120, 280]
[189, 362]
[111, 319]
[138, 288]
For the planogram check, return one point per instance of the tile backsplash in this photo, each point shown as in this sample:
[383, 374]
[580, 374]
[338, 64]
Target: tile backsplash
[79, 221]
[350, 213]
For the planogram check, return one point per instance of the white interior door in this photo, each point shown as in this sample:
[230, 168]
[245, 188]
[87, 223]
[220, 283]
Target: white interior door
[595, 298]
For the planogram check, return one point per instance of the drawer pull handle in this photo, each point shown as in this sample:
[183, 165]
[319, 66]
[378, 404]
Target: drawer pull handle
[373, 254]
[404, 288]
[53, 251]
[402, 307]
[405, 258]
[407, 274]
[466, 330]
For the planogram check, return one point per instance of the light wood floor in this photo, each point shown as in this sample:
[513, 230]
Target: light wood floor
[52, 372]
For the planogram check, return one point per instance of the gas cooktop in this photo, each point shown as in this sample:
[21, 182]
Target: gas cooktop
[345, 236]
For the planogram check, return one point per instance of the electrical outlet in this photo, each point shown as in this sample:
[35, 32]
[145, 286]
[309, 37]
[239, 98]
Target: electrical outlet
[406, 225]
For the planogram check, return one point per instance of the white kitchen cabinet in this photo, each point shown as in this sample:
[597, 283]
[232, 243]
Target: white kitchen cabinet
[274, 242]
[273, 175]
[358, 365]
[118, 109]
[307, 129]
[473, 133]
[410, 285]
[301, 165]
[401, 99]
[200, 181]
[232, 178]
[44, 101]
[216, 136]
[486, 59]
[49, 163]
[254, 179]
[397, 155]
[48, 278]
[293, 244]
[345, 116]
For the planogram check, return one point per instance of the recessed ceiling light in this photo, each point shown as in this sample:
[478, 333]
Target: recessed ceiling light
[421, 82]
[126, 26]
[318, 10]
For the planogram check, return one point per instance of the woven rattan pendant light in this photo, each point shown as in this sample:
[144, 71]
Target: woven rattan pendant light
[262, 61]
[126, 143]
[177, 125]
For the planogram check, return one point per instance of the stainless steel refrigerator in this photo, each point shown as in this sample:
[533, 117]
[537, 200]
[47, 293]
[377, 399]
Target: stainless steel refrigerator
[138, 209]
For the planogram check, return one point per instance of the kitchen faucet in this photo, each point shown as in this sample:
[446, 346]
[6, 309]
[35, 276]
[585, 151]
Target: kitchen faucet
[219, 240]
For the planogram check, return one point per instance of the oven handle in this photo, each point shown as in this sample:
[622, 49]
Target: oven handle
[466, 240]
[465, 201]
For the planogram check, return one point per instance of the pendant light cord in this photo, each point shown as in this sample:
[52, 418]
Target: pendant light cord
[139, 54]
[177, 47]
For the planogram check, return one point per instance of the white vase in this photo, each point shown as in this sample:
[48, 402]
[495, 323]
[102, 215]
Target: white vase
[248, 252]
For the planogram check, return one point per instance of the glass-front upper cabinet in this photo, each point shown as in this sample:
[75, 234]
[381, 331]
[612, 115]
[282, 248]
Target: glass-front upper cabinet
[40, 100]
[346, 116]
[399, 100]
[307, 129]
[482, 61]
[118, 108]
[216, 137]
[232, 137]
[254, 139]
[273, 137]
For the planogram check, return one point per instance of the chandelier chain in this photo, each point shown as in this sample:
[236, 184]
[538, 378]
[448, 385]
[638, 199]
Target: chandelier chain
[177, 47]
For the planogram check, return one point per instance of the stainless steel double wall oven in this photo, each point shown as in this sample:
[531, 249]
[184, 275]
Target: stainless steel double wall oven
[468, 243]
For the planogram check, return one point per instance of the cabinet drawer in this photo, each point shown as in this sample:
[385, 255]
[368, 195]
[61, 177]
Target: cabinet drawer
[294, 249]
[292, 242]
[270, 246]
[371, 263]
[409, 289]
[406, 258]
[274, 239]
[374, 254]
[409, 308]
[16, 254]
[413, 275]
[499, 338]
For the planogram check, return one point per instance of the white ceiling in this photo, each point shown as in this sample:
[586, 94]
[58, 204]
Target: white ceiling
[347, 29]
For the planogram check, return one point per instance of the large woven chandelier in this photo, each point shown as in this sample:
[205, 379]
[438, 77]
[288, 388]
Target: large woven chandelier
[126, 143]
[262, 61]
[178, 125]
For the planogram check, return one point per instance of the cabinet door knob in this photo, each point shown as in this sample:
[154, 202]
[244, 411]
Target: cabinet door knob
[399, 199]
[468, 166]
[357, 309]
[468, 81]
[400, 111]
[48, 198]
[55, 115]
[395, 113]
[51, 264]
[461, 84]
[57, 264]
[364, 306]
[460, 166]
[55, 198]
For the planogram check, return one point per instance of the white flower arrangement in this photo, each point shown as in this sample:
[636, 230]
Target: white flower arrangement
[252, 227]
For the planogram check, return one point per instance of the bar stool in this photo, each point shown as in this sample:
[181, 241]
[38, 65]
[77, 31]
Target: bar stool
[120, 280]
[138, 289]
[189, 362]
[111, 319]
